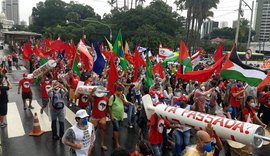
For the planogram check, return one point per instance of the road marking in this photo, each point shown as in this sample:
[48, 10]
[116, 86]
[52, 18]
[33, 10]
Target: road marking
[13, 68]
[15, 127]
[70, 116]
[44, 121]
[22, 68]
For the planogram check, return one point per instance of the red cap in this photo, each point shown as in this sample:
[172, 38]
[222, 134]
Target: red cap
[183, 98]
[46, 79]
[151, 93]
[25, 74]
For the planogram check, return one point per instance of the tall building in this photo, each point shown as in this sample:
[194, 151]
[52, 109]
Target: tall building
[223, 24]
[30, 19]
[234, 24]
[208, 27]
[262, 16]
[11, 9]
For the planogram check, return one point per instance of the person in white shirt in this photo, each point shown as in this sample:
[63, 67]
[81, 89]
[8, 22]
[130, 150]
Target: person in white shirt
[81, 136]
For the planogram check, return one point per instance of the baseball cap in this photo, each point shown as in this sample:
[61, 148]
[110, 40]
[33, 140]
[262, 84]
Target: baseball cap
[25, 74]
[81, 113]
[183, 98]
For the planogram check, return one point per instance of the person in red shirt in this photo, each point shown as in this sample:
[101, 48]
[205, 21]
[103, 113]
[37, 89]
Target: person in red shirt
[99, 111]
[236, 97]
[74, 80]
[45, 84]
[84, 100]
[249, 114]
[155, 134]
[26, 90]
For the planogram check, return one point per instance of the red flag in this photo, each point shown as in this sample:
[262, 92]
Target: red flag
[136, 64]
[200, 75]
[86, 58]
[109, 55]
[157, 69]
[112, 77]
[39, 52]
[129, 57]
[57, 45]
[27, 51]
[218, 55]
[265, 82]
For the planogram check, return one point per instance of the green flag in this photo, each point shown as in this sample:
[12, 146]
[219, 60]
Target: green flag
[149, 73]
[75, 67]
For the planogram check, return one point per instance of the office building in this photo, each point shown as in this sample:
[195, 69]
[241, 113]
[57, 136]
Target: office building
[262, 20]
[208, 27]
[234, 24]
[11, 10]
[223, 24]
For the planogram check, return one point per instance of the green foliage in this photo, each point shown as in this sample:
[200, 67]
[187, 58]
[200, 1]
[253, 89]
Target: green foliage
[53, 13]
[19, 28]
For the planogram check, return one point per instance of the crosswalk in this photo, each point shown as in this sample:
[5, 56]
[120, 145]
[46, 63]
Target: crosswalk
[19, 68]
[15, 126]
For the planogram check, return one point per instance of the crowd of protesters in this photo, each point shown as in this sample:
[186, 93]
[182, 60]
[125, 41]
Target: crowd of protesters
[222, 97]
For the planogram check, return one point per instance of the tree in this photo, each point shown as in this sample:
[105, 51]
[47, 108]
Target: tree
[55, 12]
[197, 12]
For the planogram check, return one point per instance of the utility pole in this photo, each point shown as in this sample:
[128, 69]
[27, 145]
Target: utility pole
[238, 23]
[250, 25]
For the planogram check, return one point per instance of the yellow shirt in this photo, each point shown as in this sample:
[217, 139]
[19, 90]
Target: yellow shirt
[192, 151]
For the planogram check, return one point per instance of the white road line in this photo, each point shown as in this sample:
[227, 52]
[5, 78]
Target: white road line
[13, 68]
[70, 116]
[44, 121]
[22, 68]
[15, 127]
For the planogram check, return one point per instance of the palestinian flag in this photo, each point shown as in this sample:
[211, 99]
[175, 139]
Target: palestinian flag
[184, 58]
[235, 69]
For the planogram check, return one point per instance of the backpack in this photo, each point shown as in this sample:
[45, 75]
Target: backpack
[125, 107]
[58, 100]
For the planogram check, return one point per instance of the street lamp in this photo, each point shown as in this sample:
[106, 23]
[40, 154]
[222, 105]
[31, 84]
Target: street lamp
[95, 21]
[70, 22]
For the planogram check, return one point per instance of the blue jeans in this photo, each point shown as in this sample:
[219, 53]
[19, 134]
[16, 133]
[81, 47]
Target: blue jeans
[138, 98]
[235, 112]
[181, 139]
[131, 114]
[156, 149]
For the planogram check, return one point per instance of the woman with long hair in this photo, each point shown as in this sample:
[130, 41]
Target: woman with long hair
[248, 113]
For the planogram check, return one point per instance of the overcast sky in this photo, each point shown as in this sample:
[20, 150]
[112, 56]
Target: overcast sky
[226, 8]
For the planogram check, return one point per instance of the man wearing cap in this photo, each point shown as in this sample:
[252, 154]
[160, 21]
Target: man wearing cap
[26, 90]
[45, 84]
[181, 135]
[116, 110]
[99, 110]
[81, 136]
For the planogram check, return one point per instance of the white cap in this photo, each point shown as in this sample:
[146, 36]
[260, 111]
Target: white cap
[81, 113]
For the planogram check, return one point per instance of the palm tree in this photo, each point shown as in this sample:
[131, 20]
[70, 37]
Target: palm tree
[197, 12]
